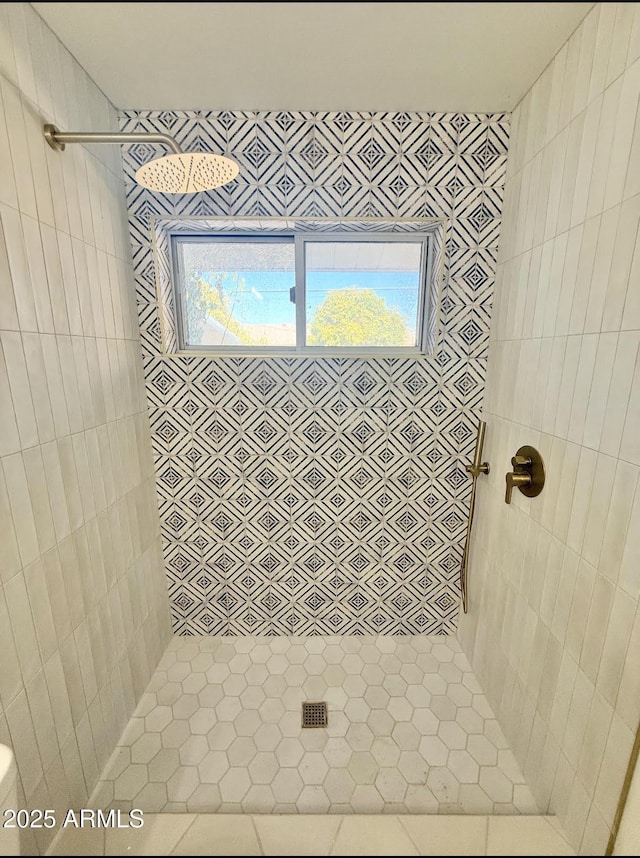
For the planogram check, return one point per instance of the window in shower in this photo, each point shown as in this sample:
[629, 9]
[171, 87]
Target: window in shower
[302, 293]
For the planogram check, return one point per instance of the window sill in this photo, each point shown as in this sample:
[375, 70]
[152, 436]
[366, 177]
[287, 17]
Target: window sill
[361, 354]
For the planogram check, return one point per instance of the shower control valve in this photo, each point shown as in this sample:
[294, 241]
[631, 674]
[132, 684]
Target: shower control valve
[527, 475]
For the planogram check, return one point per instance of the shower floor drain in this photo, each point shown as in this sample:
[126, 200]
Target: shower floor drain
[314, 714]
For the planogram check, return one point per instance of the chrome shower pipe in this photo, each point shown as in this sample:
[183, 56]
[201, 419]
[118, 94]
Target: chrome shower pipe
[476, 468]
[58, 139]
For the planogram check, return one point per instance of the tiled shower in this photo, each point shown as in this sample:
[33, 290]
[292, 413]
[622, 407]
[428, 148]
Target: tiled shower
[194, 546]
[322, 495]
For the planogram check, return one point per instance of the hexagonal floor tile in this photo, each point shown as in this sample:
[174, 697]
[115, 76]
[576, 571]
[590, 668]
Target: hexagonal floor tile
[443, 784]
[434, 750]
[385, 751]
[130, 782]
[175, 733]
[247, 722]
[259, 799]
[234, 685]
[145, 748]
[420, 799]
[218, 729]
[366, 799]
[193, 750]
[463, 766]
[204, 799]
[267, 737]
[234, 785]
[274, 686]
[221, 735]
[313, 799]
[357, 710]
[194, 683]
[496, 784]
[360, 737]
[241, 751]
[252, 697]
[289, 752]
[287, 786]
[391, 785]
[158, 719]
[482, 750]
[337, 752]
[202, 721]
[228, 709]
[339, 786]
[363, 767]
[152, 798]
[354, 686]
[163, 765]
[452, 735]
[169, 693]
[263, 767]
[376, 697]
[473, 799]
[183, 783]
[406, 737]
[257, 674]
[380, 722]
[313, 768]
[413, 767]
[210, 695]
[185, 706]
[213, 766]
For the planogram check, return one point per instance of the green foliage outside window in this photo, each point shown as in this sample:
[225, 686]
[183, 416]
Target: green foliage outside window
[207, 298]
[356, 317]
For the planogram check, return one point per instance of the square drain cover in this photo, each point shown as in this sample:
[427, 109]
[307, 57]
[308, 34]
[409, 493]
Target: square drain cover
[314, 714]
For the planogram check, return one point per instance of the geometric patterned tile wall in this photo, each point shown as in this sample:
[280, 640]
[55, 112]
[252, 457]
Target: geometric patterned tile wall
[323, 495]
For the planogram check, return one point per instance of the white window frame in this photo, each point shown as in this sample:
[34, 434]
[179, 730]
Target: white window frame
[299, 240]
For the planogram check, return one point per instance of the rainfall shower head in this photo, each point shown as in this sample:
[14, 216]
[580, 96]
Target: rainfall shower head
[179, 173]
[187, 172]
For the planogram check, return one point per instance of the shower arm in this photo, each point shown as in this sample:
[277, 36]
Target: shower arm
[58, 139]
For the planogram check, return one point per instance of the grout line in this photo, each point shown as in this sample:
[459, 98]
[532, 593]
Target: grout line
[333, 842]
[408, 833]
[557, 828]
[69, 52]
[257, 833]
[188, 829]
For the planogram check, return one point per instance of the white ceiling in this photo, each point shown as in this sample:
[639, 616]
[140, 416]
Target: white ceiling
[471, 57]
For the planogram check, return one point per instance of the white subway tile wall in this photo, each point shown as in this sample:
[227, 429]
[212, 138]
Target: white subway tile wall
[83, 604]
[553, 631]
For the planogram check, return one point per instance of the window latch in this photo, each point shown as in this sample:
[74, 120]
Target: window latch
[292, 294]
